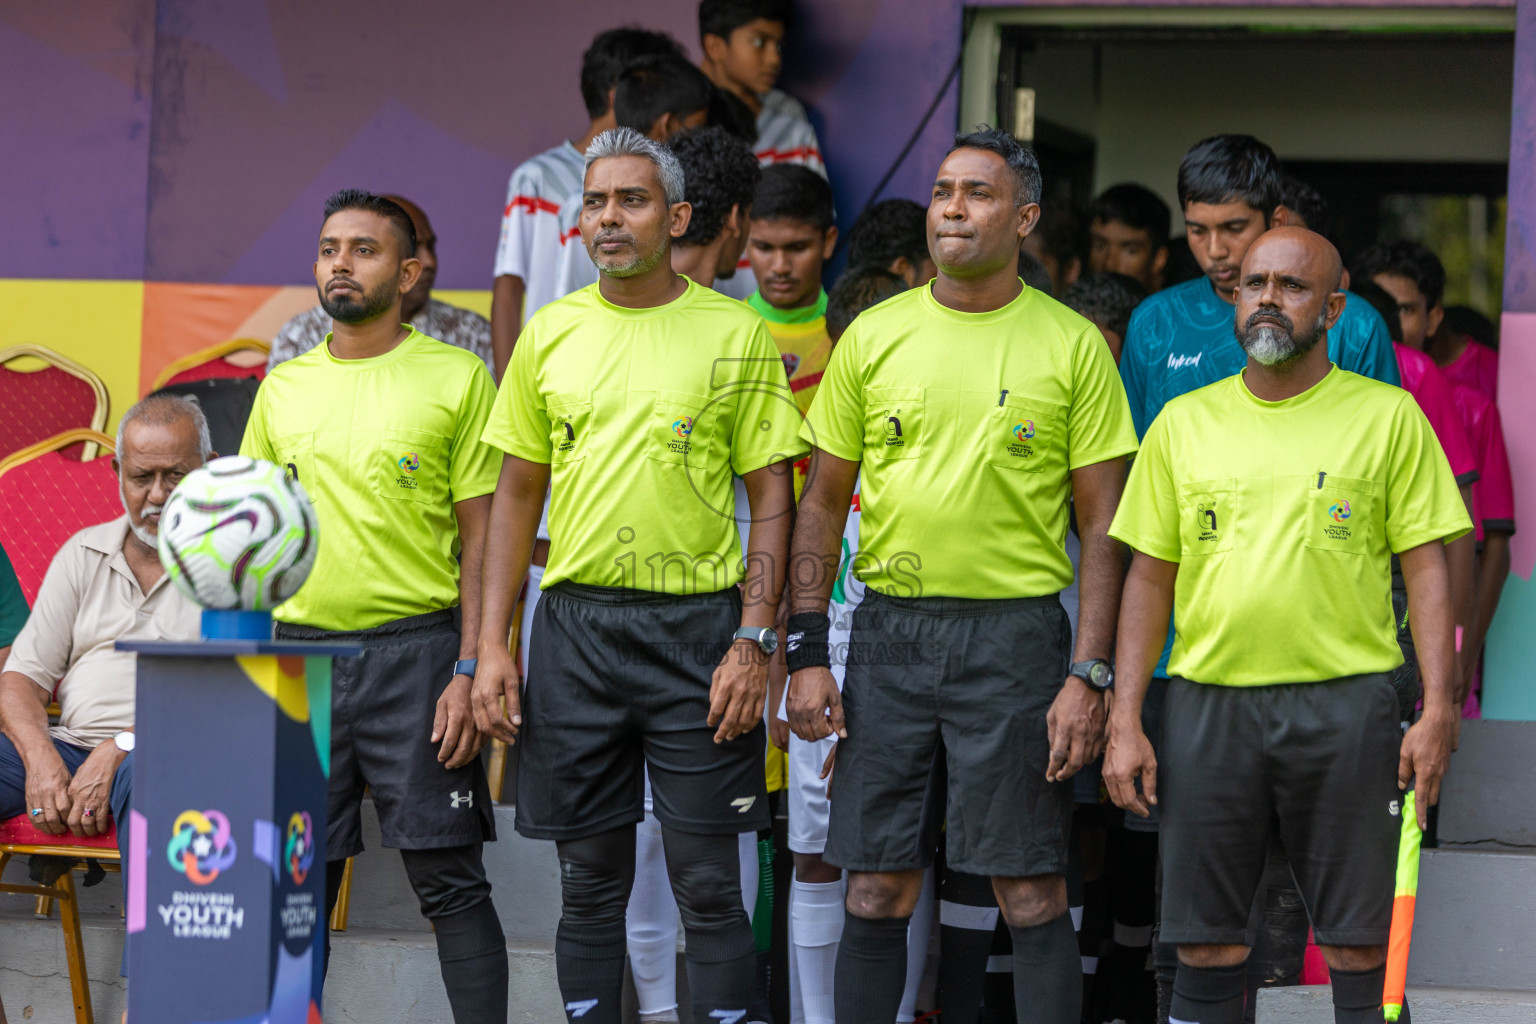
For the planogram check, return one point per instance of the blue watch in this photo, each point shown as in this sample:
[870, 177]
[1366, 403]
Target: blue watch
[466, 667]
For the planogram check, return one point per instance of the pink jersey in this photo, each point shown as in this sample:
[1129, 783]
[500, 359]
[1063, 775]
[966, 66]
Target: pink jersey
[1427, 384]
[1476, 368]
[1493, 496]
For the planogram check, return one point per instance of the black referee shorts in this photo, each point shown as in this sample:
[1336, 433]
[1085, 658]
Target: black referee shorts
[945, 702]
[620, 680]
[383, 702]
[1313, 765]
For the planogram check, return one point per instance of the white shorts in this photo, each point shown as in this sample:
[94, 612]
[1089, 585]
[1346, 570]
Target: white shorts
[809, 809]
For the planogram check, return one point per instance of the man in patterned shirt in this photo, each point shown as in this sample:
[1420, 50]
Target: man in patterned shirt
[458, 327]
[528, 253]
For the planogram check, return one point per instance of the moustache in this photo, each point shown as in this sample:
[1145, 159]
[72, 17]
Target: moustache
[1271, 316]
[343, 280]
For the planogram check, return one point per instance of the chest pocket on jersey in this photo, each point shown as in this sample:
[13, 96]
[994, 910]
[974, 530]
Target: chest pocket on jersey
[1025, 434]
[296, 455]
[570, 423]
[1341, 515]
[1207, 517]
[681, 431]
[412, 465]
[893, 423]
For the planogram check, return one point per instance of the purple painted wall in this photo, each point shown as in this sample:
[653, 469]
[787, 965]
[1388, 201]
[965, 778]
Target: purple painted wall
[262, 107]
[1520, 239]
[76, 81]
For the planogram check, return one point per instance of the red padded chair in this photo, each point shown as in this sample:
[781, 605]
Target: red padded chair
[214, 362]
[19, 837]
[37, 404]
[46, 498]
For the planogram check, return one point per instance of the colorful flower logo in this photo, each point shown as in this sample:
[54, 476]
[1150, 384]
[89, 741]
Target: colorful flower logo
[201, 845]
[1024, 431]
[299, 850]
[409, 462]
[682, 426]
[1340, 511]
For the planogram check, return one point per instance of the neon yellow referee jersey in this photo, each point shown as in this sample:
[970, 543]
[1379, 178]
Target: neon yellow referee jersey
[1283, 517]
[384, 447]
[642, 416]
[968, 426]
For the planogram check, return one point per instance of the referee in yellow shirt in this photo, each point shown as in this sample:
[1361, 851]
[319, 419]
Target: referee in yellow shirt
[637, 398]
[1264, 510]
[382, 425]
[973, 408]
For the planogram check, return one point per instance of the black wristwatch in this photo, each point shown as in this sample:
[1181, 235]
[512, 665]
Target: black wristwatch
[765, 637]
[1096, 672]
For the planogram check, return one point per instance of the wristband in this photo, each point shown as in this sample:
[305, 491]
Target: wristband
[807, 645]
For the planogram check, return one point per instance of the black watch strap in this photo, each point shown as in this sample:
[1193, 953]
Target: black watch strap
[1096, 672]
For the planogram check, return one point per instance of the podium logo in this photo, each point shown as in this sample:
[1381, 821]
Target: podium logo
[299, 850]
[201, 845]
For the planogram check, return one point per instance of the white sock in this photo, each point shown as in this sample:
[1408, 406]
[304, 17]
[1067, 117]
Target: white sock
[747, 849]
[817, 909]
[650, 926]
[918, 930]
[796, 1007]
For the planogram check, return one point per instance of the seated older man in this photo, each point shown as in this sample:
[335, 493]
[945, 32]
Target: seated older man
[104, 584]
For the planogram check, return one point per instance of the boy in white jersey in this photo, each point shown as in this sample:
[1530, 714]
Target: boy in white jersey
[657, 97]
[742, 42]
[528, 252]
[816, 898]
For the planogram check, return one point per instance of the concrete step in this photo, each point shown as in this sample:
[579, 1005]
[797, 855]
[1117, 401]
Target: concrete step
[1475, 923]
[1313, 1004]
[377, 977]
[1489, 795]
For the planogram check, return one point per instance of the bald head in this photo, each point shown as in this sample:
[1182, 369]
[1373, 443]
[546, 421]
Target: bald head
[1303, 251]
[1287, 295]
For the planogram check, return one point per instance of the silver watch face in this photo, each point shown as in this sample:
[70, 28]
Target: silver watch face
[768, 641]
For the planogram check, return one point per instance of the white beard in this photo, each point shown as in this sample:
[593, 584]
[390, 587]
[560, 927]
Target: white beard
[1270, 346]
[139, 529]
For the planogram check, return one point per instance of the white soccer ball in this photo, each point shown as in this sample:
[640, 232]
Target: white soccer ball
[238, 534]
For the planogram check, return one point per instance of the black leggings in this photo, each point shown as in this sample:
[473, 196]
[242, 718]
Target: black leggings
[596, 875]
[455, 895]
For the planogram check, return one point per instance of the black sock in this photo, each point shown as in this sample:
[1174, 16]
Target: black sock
[1047, 973]
[722, 964]
[968, 916]
[997, 1007]
[1357, 995]
[589, 963]
[472, 952]
[1208, 995]
[871, 970]
[334, 871]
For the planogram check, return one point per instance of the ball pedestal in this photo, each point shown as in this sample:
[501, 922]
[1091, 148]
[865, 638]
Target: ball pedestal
[226, 867]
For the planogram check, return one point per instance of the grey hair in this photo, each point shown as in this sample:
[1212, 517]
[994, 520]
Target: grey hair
[160, 410]
[628, 142]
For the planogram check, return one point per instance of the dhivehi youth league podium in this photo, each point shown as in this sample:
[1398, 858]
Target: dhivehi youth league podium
[226, 866]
